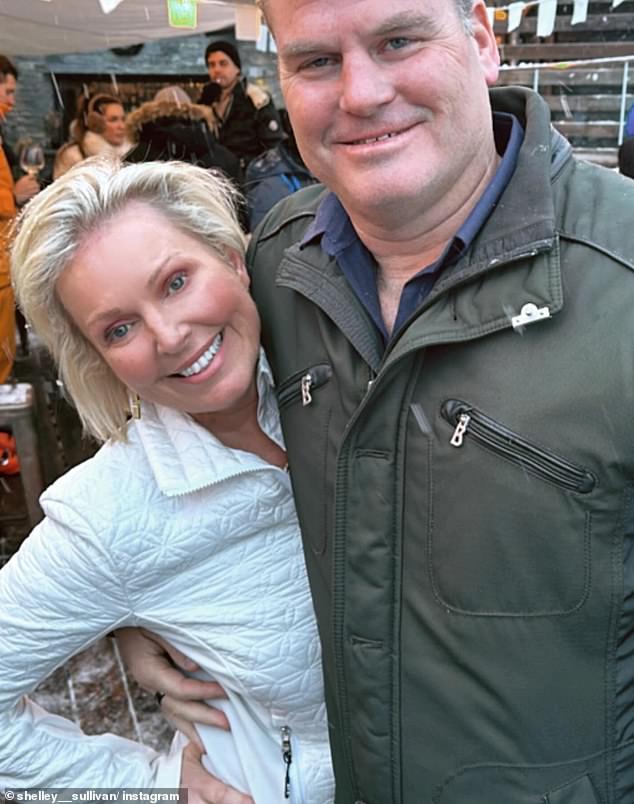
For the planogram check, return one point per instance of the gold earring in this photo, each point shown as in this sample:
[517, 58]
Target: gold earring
[135, 407]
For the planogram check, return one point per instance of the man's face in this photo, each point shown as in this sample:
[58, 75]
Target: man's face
[222, 69]
[7, 92]
[388, 101]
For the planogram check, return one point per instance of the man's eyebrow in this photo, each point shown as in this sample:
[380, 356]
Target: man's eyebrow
[398, 22]
[406, 19]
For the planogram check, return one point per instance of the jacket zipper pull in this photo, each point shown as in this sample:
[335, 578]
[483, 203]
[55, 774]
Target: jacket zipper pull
[306, 383]
[461, 428]
[287, 756]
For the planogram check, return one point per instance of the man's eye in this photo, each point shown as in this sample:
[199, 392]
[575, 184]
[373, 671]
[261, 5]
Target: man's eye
[176, 283]
[118, 332]
[397, 43]
[318, 63]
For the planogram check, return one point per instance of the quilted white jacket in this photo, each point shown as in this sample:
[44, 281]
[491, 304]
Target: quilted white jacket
[200, 544]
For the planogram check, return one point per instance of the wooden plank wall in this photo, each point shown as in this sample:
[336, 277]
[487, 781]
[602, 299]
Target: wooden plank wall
[585, 100]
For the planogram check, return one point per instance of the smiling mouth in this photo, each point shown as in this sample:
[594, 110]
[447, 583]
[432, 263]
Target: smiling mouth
[370, 140]
[203, 361]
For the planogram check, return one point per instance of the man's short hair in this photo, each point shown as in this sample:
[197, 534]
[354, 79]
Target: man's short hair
[56, 223]
[462, 6]
[7, 67]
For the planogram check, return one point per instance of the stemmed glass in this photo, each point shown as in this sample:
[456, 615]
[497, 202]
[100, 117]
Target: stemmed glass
[31, 159]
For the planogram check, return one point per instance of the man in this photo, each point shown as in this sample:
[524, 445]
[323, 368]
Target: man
[11, 193]
[248, 123]
[450, 328]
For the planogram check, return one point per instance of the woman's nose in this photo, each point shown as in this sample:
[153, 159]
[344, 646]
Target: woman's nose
[170, 336]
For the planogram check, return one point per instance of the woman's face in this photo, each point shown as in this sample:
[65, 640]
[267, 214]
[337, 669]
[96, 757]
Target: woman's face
[174, 322]
[114, 123]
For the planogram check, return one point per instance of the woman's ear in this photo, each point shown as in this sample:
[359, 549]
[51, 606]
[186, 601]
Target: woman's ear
[238, 264]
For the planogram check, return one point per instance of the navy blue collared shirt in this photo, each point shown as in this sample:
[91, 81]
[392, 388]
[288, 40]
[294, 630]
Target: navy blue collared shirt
[340, 240]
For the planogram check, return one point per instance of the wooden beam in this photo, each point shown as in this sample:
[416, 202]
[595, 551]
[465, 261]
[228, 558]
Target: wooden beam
[565, 51]
[586, 75]
[590, 104]
[595, 23]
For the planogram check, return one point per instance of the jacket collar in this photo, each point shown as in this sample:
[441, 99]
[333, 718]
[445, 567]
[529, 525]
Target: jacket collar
[94, 144]
[184, 457]
[521, 226]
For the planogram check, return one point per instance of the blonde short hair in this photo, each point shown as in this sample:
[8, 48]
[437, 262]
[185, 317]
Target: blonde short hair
[57, 221]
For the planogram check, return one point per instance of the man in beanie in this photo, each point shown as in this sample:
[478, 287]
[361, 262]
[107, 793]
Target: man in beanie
[247, 121]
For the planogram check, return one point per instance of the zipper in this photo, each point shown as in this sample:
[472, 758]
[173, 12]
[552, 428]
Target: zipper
[287, 757]
[302, 385]
[468, 422]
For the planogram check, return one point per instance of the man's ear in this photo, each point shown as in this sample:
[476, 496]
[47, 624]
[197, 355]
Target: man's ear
[484, 39]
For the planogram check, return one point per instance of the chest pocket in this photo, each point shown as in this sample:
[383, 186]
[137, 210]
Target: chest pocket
[511, 524]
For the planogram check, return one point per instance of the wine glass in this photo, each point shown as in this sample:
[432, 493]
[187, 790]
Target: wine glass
[31, 159]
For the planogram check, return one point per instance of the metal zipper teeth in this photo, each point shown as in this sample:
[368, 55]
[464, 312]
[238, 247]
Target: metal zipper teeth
[542, 463]
[521, 452]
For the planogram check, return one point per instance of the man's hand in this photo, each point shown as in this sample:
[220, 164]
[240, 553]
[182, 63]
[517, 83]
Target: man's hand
[202, 787]
[25, 188]
[156, 666]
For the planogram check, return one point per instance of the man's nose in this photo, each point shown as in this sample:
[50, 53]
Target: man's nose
[365, 85]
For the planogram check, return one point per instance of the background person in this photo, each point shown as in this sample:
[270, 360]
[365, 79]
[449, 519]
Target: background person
[184, 521]
[449, 324]
[247, 120]
[279, 172]
[98, 130]
[171, 127]
[12, 194]
[626, 158]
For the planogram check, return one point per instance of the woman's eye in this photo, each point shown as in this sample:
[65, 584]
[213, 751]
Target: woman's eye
[117, 333]
[176, 283]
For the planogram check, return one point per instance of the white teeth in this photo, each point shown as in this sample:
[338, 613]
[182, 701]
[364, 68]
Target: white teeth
[205, 359]
[375, 139]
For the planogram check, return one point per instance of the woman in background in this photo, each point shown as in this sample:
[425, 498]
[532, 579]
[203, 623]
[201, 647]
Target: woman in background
[98, 130]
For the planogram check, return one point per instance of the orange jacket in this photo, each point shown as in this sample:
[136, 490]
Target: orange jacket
[7, 213]
[7, 316]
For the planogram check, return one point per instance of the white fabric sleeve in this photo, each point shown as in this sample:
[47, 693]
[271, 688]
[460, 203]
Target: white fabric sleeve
[58, 595]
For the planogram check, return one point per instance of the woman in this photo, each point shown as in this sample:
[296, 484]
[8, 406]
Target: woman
[172, 127]
[184, 521]
[98, 130]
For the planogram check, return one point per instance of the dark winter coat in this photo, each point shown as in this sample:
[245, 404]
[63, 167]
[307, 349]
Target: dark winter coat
[466, 496]
[168, 130]
[271, 177]
[251, 124]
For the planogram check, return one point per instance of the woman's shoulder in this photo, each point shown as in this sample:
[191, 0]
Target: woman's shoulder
[67, 156]
[98, 483]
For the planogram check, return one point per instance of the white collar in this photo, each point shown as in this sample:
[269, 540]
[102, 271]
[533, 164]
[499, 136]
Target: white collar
[184, 457]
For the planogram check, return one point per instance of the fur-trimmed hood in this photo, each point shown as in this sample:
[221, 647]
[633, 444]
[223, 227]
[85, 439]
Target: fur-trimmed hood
[155, 111]
[170, 130]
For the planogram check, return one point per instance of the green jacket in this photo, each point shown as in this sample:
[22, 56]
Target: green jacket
[465, 497]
